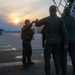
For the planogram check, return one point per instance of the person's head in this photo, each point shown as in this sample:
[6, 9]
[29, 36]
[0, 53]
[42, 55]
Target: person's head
[67, 10]
[52, 9]
[27, 22]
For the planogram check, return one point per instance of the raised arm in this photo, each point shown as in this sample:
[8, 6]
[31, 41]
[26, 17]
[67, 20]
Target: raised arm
[40, 22]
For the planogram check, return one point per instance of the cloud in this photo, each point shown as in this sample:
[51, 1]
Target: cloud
[23, 9]
[28, 6]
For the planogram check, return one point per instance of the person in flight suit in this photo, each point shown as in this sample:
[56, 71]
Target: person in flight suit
[70, 25]
[43, 36]
[55, 28]
[26, 36]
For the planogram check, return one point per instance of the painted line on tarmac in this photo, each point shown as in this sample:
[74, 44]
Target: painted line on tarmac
[9, 64]
[7, 48]
[20, 63]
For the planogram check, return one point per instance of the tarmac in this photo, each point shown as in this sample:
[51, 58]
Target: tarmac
[11, 57]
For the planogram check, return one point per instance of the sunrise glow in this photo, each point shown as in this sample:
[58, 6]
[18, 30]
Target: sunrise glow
[16, 20]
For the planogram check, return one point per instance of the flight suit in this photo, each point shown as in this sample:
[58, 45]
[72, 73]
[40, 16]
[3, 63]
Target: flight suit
[70, 25]
[55, 29]
[26, 36]
[43, 36]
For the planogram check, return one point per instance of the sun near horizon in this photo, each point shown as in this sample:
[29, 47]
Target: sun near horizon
[16, 20]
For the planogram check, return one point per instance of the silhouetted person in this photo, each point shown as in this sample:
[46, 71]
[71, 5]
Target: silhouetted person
[26, 36]
[43, 32]
[70, 25]
[55, 28]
